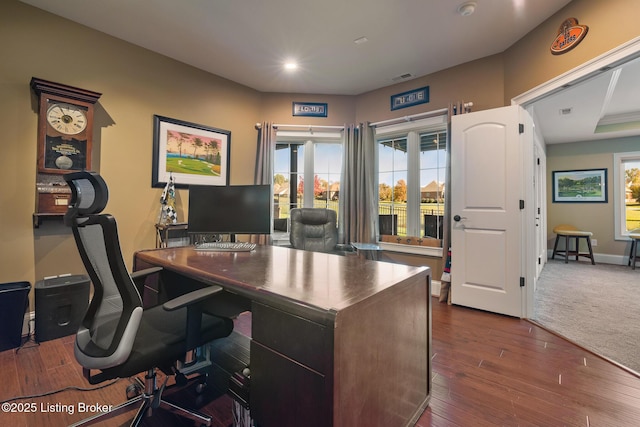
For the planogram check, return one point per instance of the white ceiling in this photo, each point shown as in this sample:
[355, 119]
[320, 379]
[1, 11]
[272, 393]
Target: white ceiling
[248, 41]
[604, 106]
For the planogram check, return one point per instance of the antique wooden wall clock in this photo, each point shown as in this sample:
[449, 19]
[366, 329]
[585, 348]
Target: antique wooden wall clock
[65, 126]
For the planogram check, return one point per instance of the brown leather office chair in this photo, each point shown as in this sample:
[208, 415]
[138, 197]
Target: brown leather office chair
[118, 338]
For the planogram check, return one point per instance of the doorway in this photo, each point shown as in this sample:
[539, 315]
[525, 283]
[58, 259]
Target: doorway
[532, 101]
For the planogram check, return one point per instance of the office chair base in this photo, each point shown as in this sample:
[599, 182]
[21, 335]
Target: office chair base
[201, 419]
[148, 403]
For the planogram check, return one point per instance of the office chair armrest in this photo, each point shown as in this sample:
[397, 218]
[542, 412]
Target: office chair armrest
[139, 274]
[191, 298]
[191, 301]
[139, 277]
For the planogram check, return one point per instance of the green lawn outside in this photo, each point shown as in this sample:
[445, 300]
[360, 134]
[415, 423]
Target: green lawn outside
[192, 166]
[633, 216]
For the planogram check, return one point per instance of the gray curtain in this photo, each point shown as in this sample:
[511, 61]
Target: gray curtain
[265, 150]
[264, 153]
[445, 280]
[357, 210]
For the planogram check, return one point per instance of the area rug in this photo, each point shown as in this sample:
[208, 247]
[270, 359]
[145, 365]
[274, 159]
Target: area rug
[596, 306]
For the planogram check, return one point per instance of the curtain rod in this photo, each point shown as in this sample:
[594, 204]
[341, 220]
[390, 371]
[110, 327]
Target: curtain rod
[409, 118]
[307, 126]
[466, 105]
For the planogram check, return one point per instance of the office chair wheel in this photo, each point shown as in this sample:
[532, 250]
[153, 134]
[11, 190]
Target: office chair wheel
[200, 388]
[181, 379]
[133, 390]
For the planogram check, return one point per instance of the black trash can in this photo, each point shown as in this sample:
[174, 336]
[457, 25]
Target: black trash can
[14, 300]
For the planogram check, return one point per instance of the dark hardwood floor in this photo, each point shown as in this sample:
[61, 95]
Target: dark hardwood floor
[488, 370]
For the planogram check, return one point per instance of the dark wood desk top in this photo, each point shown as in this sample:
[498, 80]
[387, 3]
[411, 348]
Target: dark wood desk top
[322, 281]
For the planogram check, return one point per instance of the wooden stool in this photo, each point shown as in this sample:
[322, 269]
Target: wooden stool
[634, 235]
[570, 232]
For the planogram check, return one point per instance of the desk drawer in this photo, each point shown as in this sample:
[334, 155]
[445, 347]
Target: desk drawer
[287, 394]
[302, 340]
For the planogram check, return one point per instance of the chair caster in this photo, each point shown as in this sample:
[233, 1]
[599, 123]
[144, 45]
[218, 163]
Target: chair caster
[181, 379]
[133, 390]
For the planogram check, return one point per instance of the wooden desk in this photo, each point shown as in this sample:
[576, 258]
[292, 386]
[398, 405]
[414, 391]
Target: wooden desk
[336, 340]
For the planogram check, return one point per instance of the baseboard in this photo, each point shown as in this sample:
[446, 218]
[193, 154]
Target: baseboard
[611, 259]
[600, 258]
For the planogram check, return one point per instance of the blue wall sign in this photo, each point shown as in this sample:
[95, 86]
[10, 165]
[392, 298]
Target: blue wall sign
[410, 98]
[310, 109]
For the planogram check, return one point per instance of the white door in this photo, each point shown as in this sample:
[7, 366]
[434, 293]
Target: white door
[487, 219]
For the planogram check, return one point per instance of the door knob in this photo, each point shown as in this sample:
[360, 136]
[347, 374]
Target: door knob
[458, 218]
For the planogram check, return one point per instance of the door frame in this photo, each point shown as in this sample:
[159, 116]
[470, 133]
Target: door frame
[612, 58]
[540, 207]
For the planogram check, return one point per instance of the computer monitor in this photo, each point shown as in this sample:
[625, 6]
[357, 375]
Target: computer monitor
[235, 209]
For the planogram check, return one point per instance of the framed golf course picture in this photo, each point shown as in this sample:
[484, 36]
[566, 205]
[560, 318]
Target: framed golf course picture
[580, 186]
[191, 153]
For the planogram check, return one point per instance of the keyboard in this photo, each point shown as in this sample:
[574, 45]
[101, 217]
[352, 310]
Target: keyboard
[225, 246]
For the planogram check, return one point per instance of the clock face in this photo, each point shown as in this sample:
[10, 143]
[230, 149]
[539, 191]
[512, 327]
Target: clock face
[67, 118]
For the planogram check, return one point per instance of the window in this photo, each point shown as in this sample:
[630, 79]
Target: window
[411, 178]
[626, 184]
[433, 160]
[307, 169]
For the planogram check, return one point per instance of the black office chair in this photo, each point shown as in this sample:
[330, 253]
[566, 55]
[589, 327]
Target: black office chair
[117, 337]
[316, 229]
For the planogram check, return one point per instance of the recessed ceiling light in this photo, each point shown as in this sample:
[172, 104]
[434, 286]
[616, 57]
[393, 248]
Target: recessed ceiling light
[290, 66]
[466, 9]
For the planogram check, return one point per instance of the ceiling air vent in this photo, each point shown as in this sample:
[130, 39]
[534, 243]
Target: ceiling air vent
[404, 76]
[565, 111]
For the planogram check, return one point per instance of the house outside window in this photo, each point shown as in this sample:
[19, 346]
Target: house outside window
[626, 184]
[411, 179]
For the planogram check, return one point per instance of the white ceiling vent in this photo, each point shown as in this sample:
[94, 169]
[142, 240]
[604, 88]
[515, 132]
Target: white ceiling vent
[401, 77]
[565, 111]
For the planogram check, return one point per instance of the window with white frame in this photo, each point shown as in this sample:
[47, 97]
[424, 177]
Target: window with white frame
[626, 184]
[411, 178]
[307, 168]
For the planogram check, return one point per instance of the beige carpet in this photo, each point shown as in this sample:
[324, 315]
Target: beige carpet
[596, 306]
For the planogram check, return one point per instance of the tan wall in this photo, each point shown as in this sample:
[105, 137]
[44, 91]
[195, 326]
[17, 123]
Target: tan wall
[595, 217]
[136, 84]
